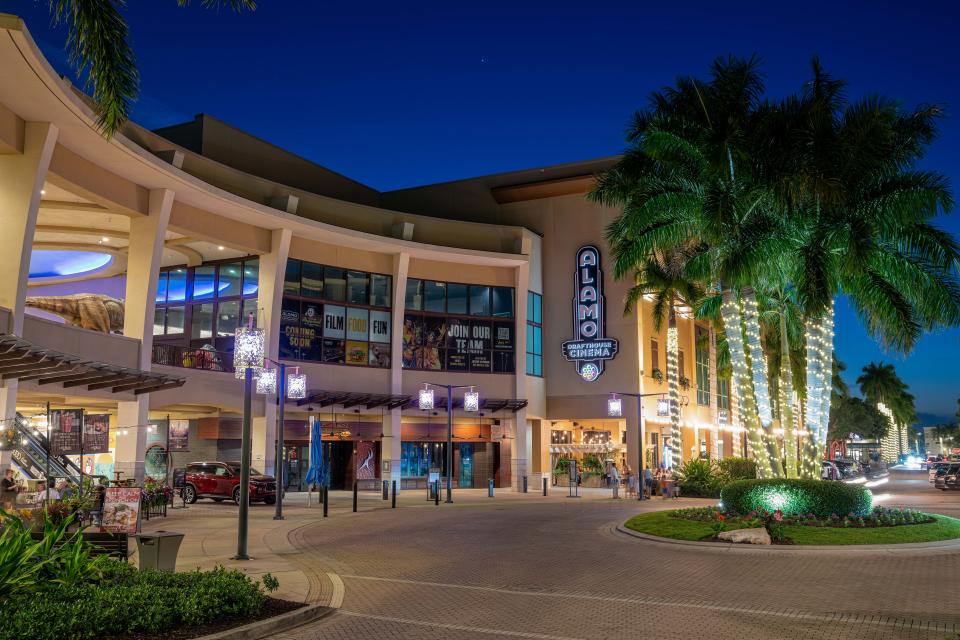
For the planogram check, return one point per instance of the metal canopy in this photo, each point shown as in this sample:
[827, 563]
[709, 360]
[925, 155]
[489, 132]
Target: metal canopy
[23, 360]
[347, 399]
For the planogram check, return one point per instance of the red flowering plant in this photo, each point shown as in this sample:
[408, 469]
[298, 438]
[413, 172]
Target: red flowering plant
[719, 523]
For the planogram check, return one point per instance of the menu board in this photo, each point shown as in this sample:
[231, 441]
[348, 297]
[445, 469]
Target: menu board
[65, 429]
[96, 433]
[121, 510]
[179, 435]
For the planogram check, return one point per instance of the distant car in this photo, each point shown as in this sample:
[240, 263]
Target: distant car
[947, 478]
[221, 481]
[830, 471]
[936, 467]
[848, 469]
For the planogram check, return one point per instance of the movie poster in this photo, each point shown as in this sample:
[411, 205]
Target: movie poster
[380, 355]
[65, 429]
[311, 328]
[96, 433]
[366, 460]
[179, 435]
[357, 352]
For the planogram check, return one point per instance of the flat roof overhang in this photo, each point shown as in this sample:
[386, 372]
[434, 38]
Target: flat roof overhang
[348, 399]
[23, 360]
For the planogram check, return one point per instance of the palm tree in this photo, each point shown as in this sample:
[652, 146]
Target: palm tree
[98, 45]
[663, 276]
[879, 383]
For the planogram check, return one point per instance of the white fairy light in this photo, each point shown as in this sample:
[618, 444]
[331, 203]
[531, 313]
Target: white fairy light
[614, 406]
[296, 385]
[248, 345]
[471, 401]
[425, 399]
[267, 382]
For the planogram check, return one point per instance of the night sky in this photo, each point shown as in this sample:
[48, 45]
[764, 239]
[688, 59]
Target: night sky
[399, 94]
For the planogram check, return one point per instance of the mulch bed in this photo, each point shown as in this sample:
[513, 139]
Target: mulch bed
[271, 607]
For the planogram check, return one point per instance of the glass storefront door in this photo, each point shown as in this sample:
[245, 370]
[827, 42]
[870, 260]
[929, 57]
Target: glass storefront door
[466, 465]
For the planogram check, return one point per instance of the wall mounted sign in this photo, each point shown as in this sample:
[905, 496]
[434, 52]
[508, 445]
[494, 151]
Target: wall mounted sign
[590, 348]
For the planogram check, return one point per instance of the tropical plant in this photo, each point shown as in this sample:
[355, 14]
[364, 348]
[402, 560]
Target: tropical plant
[98, 47]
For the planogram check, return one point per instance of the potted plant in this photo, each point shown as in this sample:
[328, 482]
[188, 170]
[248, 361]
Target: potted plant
[657, 375]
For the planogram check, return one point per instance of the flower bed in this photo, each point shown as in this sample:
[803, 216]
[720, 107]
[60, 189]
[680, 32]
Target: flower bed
[880, 526]
[797, 497]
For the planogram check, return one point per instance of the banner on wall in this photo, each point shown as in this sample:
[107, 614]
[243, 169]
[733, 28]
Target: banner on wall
[96, 433]
[334, 318]
[380, 326]
[179, 435]
[358, 324]
[65, 430]
[366, 460]
[357, 352]
[121, 510]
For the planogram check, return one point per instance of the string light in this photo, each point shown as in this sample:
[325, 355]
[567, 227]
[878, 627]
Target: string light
[673, 375]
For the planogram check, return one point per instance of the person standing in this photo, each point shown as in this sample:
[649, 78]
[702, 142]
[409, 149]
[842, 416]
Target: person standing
[615, 480]
[8, 490]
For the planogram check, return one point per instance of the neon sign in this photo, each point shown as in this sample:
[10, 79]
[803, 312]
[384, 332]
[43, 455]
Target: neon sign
[590, 348]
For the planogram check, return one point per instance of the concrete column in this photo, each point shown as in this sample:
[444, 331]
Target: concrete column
[520, 452]
[273, 265]
[390, 445]
[147, 234]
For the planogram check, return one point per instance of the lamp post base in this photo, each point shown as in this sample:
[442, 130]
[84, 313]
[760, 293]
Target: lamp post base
[279, 518]
[239, 557]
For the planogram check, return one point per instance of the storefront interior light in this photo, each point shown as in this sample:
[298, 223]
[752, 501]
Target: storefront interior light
[426, 399]
[267, 381]
[297, 385]
[614, 406]
[471, 401]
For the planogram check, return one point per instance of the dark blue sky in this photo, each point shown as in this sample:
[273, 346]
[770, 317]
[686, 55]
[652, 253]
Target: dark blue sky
[398, 94]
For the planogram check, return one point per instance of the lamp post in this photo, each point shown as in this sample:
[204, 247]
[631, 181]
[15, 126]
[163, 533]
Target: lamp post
[615, 410]
[471, 402]
[294, 387]
[248, 346]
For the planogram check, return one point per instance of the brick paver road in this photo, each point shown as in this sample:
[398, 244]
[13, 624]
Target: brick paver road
[552, 568]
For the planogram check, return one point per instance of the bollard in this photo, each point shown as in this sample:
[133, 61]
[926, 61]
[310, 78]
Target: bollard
[385, 490]
[524, 484]
[394, 504]
[436, 493]
[354, 496]
[544, 487]
[326, 500]
[490, 487]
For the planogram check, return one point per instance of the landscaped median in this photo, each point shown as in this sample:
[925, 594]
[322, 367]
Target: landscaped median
[798, 512]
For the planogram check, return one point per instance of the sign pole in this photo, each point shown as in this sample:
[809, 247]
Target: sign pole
[449, 444]
[166, 454]
[49, 447]
[278, 464]
[83, 427]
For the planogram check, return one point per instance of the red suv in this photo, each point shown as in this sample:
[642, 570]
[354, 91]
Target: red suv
[221, 481]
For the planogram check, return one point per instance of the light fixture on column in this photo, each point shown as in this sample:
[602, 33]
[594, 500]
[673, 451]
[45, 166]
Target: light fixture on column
[247, 348]
[297, 385]
[471, 401]
[425, 400]
[614, 406]
[267, 381]
[663, 407]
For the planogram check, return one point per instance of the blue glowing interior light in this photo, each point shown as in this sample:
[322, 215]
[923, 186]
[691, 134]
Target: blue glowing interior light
[57, 263]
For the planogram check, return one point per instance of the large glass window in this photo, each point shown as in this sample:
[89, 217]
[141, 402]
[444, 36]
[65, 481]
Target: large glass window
[203, 282]
[291, 277]
[479, 300]
[414, 296]
[228, 318]
[655, 357]
[534, 334]
[251, 277]
[162, 288]
[311, 280]
[334, 284]
[723, 393]
[201, 322]
[380, 290]
[457, 299]
[434, 296]
[177, 285]
[229, 279]
[703, 366]
[358, 285]
[175, 320]
[502, 302]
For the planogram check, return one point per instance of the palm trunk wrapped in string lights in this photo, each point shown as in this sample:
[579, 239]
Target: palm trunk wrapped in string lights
[674, 436]
[746, 403]
[761, 387]
[786, 401]
[826, 368]
[816, 383]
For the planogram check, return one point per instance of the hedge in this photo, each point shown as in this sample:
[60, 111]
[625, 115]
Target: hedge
[796, 497]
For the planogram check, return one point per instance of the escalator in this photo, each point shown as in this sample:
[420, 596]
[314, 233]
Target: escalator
[30, 454]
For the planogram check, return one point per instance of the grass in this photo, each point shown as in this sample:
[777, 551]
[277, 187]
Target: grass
[660, 523]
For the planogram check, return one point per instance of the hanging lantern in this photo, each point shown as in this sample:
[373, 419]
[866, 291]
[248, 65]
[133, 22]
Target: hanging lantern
[663, 407]
[267, 381]
[297, 385]
[426, 399]
[471, 401]
[247, 349]
[614, 406]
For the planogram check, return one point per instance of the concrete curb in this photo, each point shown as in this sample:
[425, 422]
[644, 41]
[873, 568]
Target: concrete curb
[907, 548]
[270, 626]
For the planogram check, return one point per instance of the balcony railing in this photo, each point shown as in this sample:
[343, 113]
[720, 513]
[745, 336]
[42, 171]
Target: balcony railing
[192, 357]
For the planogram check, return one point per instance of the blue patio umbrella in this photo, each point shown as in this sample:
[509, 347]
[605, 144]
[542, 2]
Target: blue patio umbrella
[315, 474]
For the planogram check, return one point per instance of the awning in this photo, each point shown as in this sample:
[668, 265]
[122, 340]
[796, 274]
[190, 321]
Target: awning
[347, 399]
[23, 360]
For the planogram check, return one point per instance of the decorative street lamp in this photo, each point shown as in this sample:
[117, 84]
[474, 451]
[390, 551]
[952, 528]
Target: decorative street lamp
[248, 347]
[614, 406]
[291, 387]
[470, 398]
[615, 410]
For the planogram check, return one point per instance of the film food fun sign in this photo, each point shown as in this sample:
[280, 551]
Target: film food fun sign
[590, 347]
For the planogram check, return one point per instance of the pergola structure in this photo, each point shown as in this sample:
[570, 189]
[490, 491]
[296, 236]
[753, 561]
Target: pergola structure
[23, 360]
[348, 399]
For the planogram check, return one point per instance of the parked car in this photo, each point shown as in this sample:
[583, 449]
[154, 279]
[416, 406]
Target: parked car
[848, 468]
[830, 471]
[936, 467]
[221, 481]
[947, 477]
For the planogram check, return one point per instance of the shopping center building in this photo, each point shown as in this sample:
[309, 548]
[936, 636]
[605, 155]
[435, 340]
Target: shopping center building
[129, 262]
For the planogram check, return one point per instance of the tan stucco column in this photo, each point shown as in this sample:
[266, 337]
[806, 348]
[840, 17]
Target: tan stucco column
[22, 176]
[520, 452]
[390, 445]
[714, 388]
[273, 265]
[147, 234]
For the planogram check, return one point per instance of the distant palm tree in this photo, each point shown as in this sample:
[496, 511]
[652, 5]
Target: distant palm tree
[663, 275]
[99, 48]
[879, 383]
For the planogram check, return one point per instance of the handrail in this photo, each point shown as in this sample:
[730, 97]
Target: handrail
[203, 358]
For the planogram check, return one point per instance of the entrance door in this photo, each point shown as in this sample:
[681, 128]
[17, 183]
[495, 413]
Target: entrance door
[339, 457]
[466, 465]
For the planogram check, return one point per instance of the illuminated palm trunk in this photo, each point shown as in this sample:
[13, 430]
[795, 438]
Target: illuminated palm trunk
[761, 386]
[742, 380]
[674, 435]
[714, 398]
[786, 399]
[826, 391]
[813, 336]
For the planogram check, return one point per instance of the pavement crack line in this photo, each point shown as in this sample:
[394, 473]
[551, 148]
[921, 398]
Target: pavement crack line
[850, 618]
[456, 627]
[336, 600]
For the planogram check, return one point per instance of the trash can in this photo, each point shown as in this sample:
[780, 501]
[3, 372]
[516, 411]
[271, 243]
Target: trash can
[158, 550]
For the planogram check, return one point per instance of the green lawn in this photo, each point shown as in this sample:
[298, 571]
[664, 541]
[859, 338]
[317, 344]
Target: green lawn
[659, 523]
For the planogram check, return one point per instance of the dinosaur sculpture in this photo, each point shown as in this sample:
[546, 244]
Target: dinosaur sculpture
[85, 310]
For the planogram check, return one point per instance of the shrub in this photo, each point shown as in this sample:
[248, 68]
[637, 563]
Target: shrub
[795, 497]
[737, 468]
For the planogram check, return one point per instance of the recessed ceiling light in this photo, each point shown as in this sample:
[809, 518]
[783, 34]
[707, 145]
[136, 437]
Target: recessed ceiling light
[43, 192]
[105, 239]
[220, 247]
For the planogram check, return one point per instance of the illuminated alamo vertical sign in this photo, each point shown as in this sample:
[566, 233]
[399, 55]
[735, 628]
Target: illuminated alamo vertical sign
[590, 348]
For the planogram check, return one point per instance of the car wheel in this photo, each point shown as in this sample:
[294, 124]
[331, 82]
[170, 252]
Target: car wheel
[270, 500]
[236, 495]
[189, 494]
